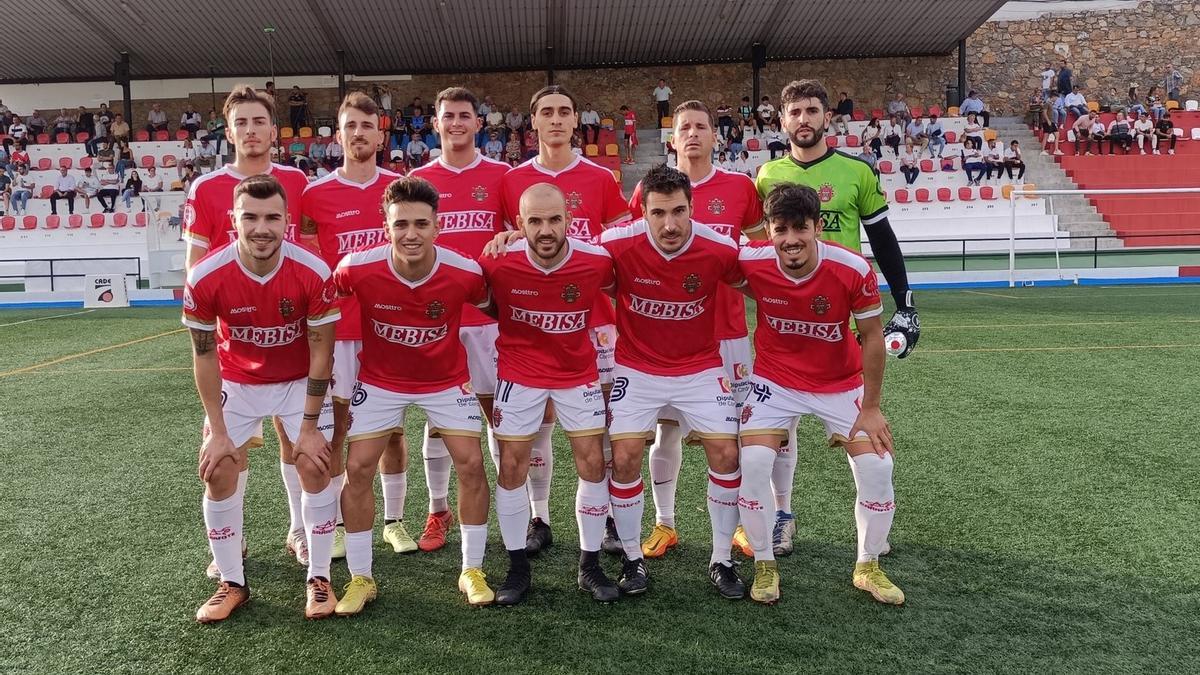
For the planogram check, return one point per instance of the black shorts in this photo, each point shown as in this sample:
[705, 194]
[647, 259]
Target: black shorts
[1049, 128]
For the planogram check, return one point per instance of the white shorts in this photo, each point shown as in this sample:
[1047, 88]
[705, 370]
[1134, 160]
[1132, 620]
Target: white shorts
[703, 401]
[517, 411]
[738, 362]
[604, 339]
[480, 343]
[378, 412]
[245, 406]
[345, 369]
[774, 409]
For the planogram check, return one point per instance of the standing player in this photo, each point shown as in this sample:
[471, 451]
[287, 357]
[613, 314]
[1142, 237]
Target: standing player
[809, 363]
[266, 307]
[251, 131]
[469, 215]
[851, 202]
[342, 212]
[410, 295]
[727, 202]
[545, 287]
[595, 202]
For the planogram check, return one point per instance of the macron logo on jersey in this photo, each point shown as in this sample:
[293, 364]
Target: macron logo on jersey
[552, 322]
[410, 336]
[661, 309]
[467, 221]
[829, 332]
[352, 241]
[272, 336]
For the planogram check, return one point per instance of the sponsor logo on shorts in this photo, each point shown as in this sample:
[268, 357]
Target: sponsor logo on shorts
[352, 241]
[741, 371]
[593, 394]
[270, 336]
[410, 336]
[670, 311]
[325, 527]
[552, 322]
[466, 388]
[358, 395]
[828, 332]
[497, 416]
[723, 382]
[747, 413]
[220, 535]
[468, 221]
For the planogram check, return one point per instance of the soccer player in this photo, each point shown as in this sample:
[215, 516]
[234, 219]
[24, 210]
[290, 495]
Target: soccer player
[469, 215]
[342, 213]
[851, 202]
[206, 228]
[410, 295]
[596, 203]
[261, 315]
[545, 287]
[809, 363]
[668, 270]
[727, 202]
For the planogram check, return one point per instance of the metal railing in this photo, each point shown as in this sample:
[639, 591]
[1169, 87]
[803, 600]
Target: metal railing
[70, 275]
[1094, 251]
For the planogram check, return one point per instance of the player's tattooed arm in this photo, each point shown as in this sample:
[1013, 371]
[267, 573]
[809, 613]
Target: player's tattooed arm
[203, 341]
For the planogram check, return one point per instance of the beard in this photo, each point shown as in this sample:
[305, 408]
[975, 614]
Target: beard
[537, 247]
[362, 153]
[817, 136]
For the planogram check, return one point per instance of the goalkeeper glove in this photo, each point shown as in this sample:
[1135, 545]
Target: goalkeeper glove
[907, 324]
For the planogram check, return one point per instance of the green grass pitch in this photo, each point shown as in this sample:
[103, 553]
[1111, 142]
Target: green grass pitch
[1046, 469]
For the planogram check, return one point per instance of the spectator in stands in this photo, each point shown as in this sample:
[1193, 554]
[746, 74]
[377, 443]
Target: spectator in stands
[1154, 103]
[973, 129]
[1098, 135]
[1111, 101]
[269, 88]
[415, 152]
[512, 149]
[1064, 78]
[872, 137]
[385, 98]
[1033, 114]
[311, 174]
[1143, 131]
[494, 148]
[119, 129]
[298, 107]
[899, 108]
[189, 176]
[909, 166]
[104, 117]
[893, 133]
[1047, 76]
[1049, 126]
[1075, 103]
[156, 119]
[869, 157]
[743, 165]
[1058, 101]
[1120, 132]
[17, 131]
[1083, 133]
[151, 185]
[974, 104]
[993, 159]
[190, 120]
[87, 188]
[1172, 82]
[85, 122]
[276, 154]
[662, 99]
[5, 115]
[124, 158]
[589, 119]
[297, 154]
[37, 124]
[4, 158]
[723, 161]
[530, 144]
[133, 188]
[724, 119]
[494, 123]
[106, 153]
[1014, 160]
[206, 155]
[215, 126]
[1133, 104]
[916, 134]
[19, 157]
[187, 156]
[629, 133]
[1164, 131]
[64, 188]
[746, 112]
[24, 185]
[972, 161]
[317, 152]
[5, 189]
[63, 122]
[776, 140]
[843, 113]
[514, 123]
[764, 113]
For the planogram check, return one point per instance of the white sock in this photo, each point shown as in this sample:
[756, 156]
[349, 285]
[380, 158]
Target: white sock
[512, 512]
[875, 503]
[291, 482]
[395, 490]
[783, 473]
[474, 541]
[493, 447]
[606, 450]
[358, 553]
[437, 472]
[541, 469]
[666, 456]
[320, 518]
[628, 503]
[339, 482]
[242, 478]
[591, 512]
[223, 521]
[754, 498]
[723, 512]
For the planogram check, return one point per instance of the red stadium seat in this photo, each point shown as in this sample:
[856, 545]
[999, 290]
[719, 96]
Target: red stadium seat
[44, 164]
[902, 196]
[162, 136]
[42, 139]
[141, 135]
[169, 161]
[65, 162]
[951, 137]
[886, 167]
[923, 195]
[182, 135]
[831, 141]
[29, 223]
[8, 223]
[120, 220]
[147, 162]
[858, 116]
[51, 222]
[96, 221]
[82, 137]
[948, 164]
[62, 137]
[86, 162]
[47, 190]
[935, 110]
[965, 194]
[916, 111]
[927, 165]
[986, 192]
[74, 222]
[945, 195]
[853, 141]
[753, 145]
[140, 219]
[878, 114]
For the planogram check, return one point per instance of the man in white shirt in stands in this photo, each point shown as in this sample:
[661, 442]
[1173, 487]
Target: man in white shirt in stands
[993, 159]
[110, 183]
[589, 119]
[1047, 76]
[662, 99]
[190, 120]
[87, 188]
[64, 188]
[1076, 103]
[1143, 130]
[152, 183]
[156, 119]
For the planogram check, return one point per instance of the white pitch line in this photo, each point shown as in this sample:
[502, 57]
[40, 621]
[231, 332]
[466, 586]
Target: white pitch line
[45, 318]
[994, 295]
[1060, 325]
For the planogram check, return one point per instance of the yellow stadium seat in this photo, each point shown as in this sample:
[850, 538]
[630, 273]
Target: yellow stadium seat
[1093, 106]
[306, 132]
[607, 123]
[952, 111]
[667, 122]
[990, 135]
[1006, 191]
[286, 132]
[612, 150]
[1172, 105]
[592, 150]
[1030, 186]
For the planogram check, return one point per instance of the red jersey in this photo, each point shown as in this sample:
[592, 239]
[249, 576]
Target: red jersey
[593, 198]
[544, 313]
[410, 329]
[349, 217]
[210, 201]
[630, 123]
[665, 301]
[727, 202]
[260, 321]
[469, 210]
[803, 339]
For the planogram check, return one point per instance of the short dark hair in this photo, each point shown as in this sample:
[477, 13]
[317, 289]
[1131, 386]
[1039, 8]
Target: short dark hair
[358, 101]
[696, 105]
[261, 186]
[548, 90]
[801, 89]
[244, 93]
[410, 189]
[456, 94]
[792, 204]
[665, 180]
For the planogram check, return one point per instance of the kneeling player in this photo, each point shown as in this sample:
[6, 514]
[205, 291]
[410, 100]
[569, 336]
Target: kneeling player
[411, 294]
[266, 307]
[809, 363]
[545, 287]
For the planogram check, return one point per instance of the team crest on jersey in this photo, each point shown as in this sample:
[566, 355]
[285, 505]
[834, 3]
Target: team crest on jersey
[691, 283]
[574, 200]
[479, 193]
[286, 308]
[825, 192]
[747, 412]
[570, 293]
[820, 305]
[435, 309]
[716, 206]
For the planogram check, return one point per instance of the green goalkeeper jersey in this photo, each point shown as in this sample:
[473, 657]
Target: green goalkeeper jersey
[849, 190]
